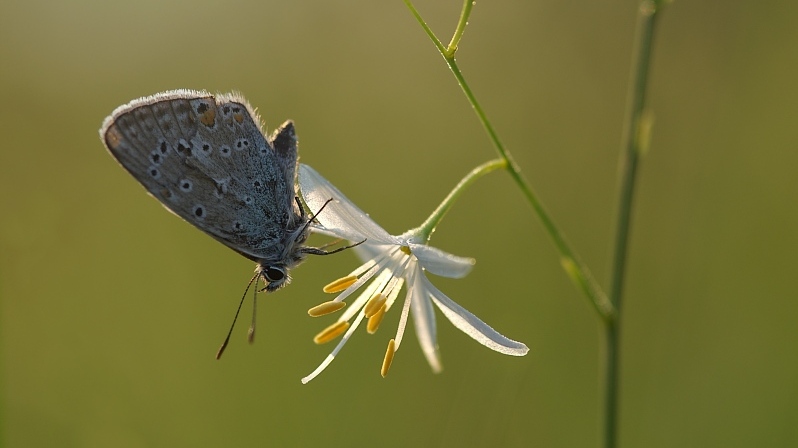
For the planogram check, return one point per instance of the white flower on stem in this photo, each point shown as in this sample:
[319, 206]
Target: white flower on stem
[391, 262]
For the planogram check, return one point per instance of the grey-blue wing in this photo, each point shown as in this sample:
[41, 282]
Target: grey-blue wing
[284, 142]
[206, 159]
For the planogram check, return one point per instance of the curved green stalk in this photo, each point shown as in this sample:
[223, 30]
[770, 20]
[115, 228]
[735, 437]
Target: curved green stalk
[634, 143]
[428, 227]
[458, 32]
[572, 264]
[635, 135]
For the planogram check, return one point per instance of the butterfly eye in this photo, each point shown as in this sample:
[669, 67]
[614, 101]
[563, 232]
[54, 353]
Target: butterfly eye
[274, 274]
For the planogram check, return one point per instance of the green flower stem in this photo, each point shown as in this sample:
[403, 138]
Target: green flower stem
[428, 227]
[572, 264]
[458, 32]
[635, 142]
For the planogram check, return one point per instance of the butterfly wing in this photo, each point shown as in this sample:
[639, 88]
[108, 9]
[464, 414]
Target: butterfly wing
[206, 159]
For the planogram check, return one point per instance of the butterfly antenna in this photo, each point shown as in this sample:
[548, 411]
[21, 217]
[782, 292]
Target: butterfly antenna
[331, 243]
[313, 217]
[227, 339]
[320, 250]
[251, 332]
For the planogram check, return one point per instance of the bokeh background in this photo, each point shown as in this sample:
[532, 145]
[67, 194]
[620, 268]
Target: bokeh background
[112, 308]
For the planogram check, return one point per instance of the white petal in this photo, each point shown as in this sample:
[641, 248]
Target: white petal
[316, 228]
[341, 216]
[424, 320]
[472, 325]
[442, 263]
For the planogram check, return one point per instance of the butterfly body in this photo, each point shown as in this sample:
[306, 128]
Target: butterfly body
[206, 159]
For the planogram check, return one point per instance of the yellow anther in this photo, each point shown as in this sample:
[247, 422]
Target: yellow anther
[374, 305]
[386, 363]
[331, 332]
[374, 321]
[340, 284]
[406, 250]
[326, 308]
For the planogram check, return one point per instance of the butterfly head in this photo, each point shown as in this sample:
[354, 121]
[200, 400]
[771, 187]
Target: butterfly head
[276, 276]
[275, 270]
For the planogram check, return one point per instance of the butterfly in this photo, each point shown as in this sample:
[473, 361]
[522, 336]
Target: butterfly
[207, 160]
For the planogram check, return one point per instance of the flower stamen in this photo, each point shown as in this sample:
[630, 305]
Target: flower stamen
[386, 363]
[326, 308]
[331, 332]
[340, 284]
[374, 305]
[376, 319]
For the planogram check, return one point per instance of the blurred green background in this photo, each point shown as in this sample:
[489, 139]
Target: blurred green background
[112, 308]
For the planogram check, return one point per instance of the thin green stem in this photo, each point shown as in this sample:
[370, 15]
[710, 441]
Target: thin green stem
[458, 32]
[634, 142]
[428, 30]
[428, 227]
[574, 267]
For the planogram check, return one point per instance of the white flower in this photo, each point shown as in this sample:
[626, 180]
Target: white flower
[391, 262]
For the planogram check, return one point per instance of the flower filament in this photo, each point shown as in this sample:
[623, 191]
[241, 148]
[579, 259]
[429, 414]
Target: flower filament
[385, 275]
